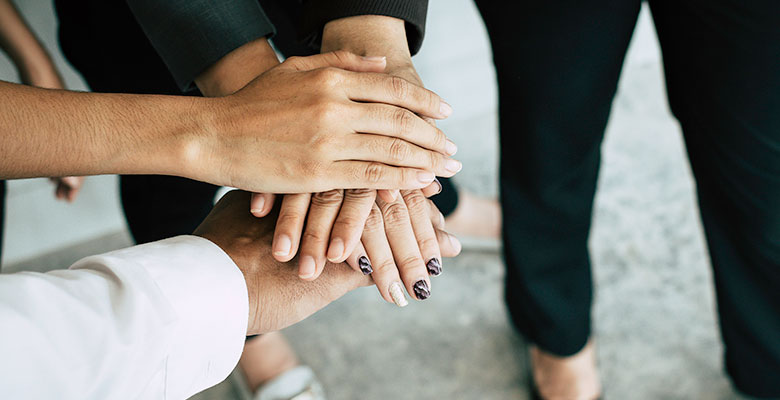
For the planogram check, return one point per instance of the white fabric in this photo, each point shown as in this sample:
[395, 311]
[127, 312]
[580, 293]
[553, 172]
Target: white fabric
[163, 320]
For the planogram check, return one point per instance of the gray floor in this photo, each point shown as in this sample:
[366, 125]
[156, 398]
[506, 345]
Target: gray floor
[654, 312]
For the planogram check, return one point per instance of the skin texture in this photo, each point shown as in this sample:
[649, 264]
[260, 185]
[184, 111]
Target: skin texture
[225, 141]
[35, 68]
[277, 298]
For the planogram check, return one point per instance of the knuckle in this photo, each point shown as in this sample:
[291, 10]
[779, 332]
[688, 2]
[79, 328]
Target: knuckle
[327, 111]
[288, 219]
[328, 77]
[416, 201]
[348, 223]
[314, 236]
[403, 121]
[361, 194]
[399, 150]
[375, 173]
[399, 88]
[327, 199]
[384, 266]
[374, 220]
[439, 138]
[410, 261]
[395, 214]
[428, 243]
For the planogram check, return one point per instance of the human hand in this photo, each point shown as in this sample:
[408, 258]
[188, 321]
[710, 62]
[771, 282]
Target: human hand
[277, 298]
[67, 187]
[300, 122]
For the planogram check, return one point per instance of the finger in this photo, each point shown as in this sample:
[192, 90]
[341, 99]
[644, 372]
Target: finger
[406, 252]
[433, 189]
[260, 204]
[448, 244]
[338, 59]
[289, 226]
[383, 88]
[350, 222]
[398, 152]
[423, 229]
[323, 211]
[389, 120]
[351, 174]
[388, 195]
[437, 218]
[385, 272]
[359, 260]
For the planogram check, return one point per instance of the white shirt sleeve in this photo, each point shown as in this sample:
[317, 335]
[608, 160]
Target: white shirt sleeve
[163, 320]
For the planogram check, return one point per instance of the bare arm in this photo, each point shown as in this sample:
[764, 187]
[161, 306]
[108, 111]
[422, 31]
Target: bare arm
[33, 63]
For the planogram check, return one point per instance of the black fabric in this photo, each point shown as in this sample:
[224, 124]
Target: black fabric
[191, 35]
[317, 13]
[558, 64]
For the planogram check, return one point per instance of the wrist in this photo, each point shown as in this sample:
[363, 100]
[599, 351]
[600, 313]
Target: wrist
[368, 35]
[237, 68]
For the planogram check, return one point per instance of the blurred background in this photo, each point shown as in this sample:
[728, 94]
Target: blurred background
[654, 312]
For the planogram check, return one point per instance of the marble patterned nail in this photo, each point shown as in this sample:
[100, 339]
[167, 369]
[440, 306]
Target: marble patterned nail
[421, 289]
[397, 293]
[434, 266]
[365, 265]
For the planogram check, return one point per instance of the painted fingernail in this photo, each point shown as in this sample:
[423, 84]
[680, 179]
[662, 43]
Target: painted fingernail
[453, 166]
[397, 293]
[336, 250]
[434, 266]
[438, 184]
[426, 176]
[444, 108]
[365, 265]
[306, 267]
[282, 245]
[421, 289]
[450, 148]
[258, 208]
[375, 58]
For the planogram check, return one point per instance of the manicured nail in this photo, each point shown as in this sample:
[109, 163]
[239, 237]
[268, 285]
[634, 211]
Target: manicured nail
[397, 293]
[259, 206]
[282, 245]
[375, 58]
[434, 266]
[445, 109]
[438, 184]
[450, 148]
[425, 176]
[365, 265]
[336, 250]
[453, 166]
[421, 289]
[306, 267]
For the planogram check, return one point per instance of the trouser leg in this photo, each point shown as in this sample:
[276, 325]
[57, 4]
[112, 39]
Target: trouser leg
[722, 64]
[557, 65]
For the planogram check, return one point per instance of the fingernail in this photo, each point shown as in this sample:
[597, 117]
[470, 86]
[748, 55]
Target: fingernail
[397, 293]
[306, 267]
[455, 242]
[425, 176]
[453, 166]
[365, 265]
[259, 206]
[282, 246]
[439, 184]
[336, 250]
[421, 289]
[434, 266]
[375, 58]
[445, 109]
[450, 147]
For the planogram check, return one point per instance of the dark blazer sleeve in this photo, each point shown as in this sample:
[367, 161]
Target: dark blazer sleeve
[192, 35]
[317, 13]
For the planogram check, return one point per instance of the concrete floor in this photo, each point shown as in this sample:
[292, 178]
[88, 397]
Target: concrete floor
[654, 314]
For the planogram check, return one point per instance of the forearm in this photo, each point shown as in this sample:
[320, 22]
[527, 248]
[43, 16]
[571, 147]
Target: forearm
[21, 45]
[61, 133]
[237, 68]
[369, 35]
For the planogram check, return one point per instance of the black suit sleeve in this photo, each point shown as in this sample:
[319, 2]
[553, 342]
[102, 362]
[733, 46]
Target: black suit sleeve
[192, 35]
[317, 13]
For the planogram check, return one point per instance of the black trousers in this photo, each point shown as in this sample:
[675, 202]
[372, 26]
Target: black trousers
[558, 64]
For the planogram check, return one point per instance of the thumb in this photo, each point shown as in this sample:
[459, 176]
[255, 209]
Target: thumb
[338, 59]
